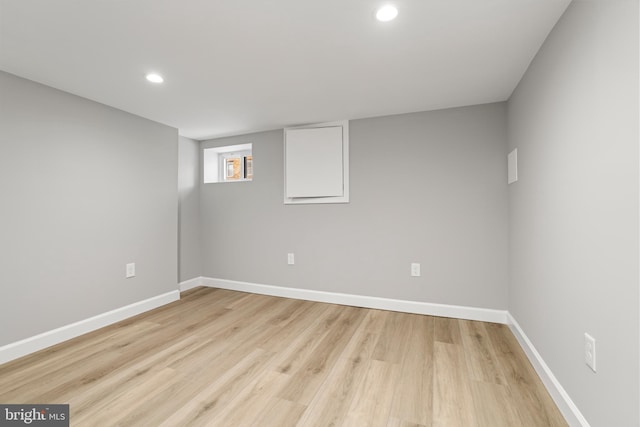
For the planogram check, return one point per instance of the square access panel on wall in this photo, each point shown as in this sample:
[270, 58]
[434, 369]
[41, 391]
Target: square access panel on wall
[317, 163]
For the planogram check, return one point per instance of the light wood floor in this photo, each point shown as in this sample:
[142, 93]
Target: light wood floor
[224, 358]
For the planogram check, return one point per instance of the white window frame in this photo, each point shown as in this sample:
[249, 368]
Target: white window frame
[213, 162]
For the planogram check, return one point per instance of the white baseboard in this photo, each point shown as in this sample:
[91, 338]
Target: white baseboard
[38, 342]
[190, 284]
[568, 409]
[442, 310]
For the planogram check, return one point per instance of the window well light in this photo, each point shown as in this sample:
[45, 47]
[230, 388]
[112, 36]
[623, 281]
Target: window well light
[386, 13]
[155, 78]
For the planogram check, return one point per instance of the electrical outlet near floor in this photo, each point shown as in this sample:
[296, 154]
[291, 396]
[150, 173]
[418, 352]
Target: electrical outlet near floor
[131, 270]
[590, 351]
[415, 269]
[291, 259]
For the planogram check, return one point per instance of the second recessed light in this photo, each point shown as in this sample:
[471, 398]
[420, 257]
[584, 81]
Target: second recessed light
[155, 78]
[386, 13]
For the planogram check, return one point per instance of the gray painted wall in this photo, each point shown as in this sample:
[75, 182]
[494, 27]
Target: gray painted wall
[425, 187]
[574, 211]
[85, 189]
[189, 261]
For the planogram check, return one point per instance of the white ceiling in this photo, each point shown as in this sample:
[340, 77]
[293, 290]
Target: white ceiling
[237, 66]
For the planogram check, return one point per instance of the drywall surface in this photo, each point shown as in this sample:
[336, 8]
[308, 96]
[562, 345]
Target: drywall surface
[189, 260]
[574, 209]
[86, 189]
[426, 187]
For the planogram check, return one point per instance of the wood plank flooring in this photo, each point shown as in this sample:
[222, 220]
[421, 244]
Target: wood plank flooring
[225, 358]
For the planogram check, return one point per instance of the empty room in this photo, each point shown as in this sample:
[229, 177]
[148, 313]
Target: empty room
[320, 213]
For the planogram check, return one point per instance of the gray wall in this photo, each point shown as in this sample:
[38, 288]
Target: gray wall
[574, 211]
[426, 187]
[85, 189]
[189, 261]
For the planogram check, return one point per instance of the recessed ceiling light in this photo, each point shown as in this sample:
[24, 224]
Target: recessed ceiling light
[155, 78]
[386, 13]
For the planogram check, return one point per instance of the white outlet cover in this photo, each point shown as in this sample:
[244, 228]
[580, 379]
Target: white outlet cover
[415, 269]
[590, 351]
[291, 259]
[131, 270]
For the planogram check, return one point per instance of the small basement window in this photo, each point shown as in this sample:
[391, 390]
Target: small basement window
[231, 163]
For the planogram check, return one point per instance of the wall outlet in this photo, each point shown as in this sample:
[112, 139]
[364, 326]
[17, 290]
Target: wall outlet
[415, 269]
[590, 351]
[291, 259]
[131, 270]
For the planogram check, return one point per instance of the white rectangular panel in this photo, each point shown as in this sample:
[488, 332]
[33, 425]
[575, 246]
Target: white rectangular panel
[314, 162]
[512, 166]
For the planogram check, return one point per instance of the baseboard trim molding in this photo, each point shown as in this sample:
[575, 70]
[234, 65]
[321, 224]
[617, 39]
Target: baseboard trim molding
[569, 410]
[190, 284]
[26, 346]
[442, 310]
[566, 406]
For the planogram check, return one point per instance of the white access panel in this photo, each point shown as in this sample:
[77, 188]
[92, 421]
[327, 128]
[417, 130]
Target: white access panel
[314, 162]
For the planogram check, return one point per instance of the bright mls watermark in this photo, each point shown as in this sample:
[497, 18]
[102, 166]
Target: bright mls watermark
[34, 415]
